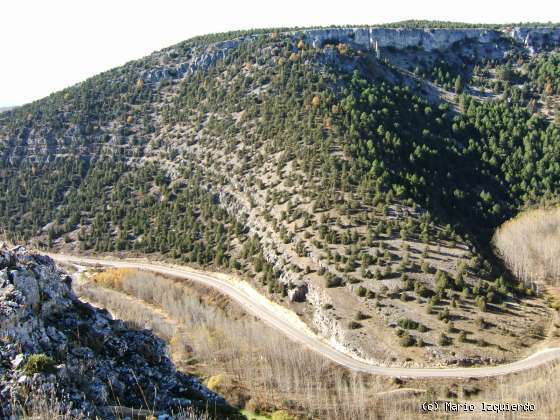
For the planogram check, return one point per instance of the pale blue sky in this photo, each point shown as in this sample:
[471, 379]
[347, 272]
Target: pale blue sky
[48, 45]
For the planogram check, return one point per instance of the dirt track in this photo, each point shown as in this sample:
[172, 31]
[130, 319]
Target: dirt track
[290, 325]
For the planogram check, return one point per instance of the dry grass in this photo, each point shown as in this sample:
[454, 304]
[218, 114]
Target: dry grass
[259, 368]
[42, 405]
[530, 245]
[111, 278]
[540, 387]
[255, 367]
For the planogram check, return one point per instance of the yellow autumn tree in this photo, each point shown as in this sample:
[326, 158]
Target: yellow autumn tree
[316, 101]
[548, 89]
[342, 48]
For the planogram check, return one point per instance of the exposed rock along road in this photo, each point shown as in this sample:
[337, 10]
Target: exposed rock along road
[281, 319]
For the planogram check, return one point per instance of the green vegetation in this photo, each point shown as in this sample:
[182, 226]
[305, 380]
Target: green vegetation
[414, 23]
[39, 363]
[444, 340]
[253, 416]
[408, 324]
[353, 325]
[281, 415]
[544, 74]
[407, 340]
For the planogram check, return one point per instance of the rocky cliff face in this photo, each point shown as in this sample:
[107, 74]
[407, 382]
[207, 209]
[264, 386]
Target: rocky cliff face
[200, 58]
[536, 39]
[298, 289]
[53, 343]
[428, 39]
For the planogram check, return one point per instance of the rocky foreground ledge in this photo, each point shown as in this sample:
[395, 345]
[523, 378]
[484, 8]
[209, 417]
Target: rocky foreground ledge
[55, 347]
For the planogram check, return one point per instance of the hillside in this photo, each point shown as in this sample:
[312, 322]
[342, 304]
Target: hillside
[354, 174]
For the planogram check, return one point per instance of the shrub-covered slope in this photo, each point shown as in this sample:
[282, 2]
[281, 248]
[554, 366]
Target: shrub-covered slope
[364, 182]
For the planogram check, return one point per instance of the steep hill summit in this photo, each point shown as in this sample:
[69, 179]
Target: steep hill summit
[355, 175]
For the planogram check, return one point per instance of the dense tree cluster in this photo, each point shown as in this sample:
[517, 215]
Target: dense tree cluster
[544, 74]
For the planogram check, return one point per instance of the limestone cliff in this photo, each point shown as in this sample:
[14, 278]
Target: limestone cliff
[58, 346]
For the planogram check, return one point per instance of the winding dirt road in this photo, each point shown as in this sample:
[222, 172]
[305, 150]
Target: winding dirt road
[290, 325]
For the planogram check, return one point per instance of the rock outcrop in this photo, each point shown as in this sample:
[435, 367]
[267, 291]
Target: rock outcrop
[428, 39]
[371, 38]
[52, 343]
[536, 39]
[274, 250]
[198, 60]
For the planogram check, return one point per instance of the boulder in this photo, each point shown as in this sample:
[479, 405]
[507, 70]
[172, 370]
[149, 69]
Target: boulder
[81, 356]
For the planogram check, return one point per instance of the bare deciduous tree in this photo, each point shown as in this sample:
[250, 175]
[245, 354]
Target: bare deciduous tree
[530, 245]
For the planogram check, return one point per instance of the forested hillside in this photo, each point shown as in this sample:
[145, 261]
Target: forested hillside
[358, 184]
